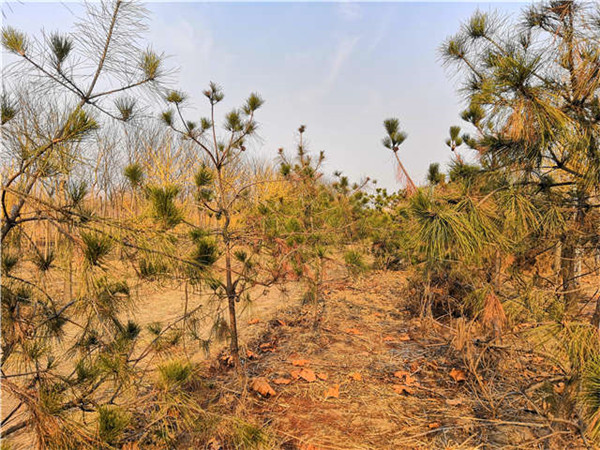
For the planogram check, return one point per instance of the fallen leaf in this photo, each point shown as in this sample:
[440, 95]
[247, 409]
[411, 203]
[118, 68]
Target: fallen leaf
[295, 374]
[356, 376]
[404, 337]
[388, 339]
[253, 321]
[267, 347]
[300, 362]
[401, 374]
[414, 366]
[262, 386]
[282, 381]
[454, 401]
[458, 375]
[322, 376]
[409, 379]
[333, 391]
[307, 375]
[403, 389]
[251, 355]
[353, 331]
[434, 425]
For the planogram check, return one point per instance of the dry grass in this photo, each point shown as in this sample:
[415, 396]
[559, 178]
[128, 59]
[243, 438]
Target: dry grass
[506, 400]
[367, 329]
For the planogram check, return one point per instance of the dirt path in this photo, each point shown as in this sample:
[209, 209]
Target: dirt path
[374, 378]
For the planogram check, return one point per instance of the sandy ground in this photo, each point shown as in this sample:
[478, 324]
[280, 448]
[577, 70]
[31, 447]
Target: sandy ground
[378, 378]
[372, 376]
[164, 305]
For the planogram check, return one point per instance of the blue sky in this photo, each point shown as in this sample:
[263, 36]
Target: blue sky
[338, 68]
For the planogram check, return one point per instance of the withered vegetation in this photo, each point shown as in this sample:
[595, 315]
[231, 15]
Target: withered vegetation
[163, 288]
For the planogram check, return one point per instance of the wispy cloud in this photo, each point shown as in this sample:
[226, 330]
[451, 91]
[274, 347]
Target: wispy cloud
[380, 32]
[189, 42]
[349, 10]
[342, 53]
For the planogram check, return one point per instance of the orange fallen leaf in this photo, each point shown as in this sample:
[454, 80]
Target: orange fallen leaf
[267, 347]
[322, 376]
[458, 375]
[434, 425]
[353, 331]
[295, 374]
[251, 355]
[333, 391]
[388, 339]
[401, 374]
[300, 362]
[409, 379]
[307, 375]
[262, 386]
[282, 381]
[253, 321]
[356, 376]
[404, 337]
[403, 389]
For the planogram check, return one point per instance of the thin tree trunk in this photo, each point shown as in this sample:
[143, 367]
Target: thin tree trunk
[557, 261]
[229, 284]
[231, 299]
[596, 317]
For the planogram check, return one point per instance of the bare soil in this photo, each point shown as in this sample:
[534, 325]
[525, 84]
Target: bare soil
[369, 375]
[399, 381]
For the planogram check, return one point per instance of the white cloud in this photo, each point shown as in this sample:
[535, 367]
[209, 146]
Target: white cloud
[186, 41]
[342, 53]
[349, 10]
[380, 32]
